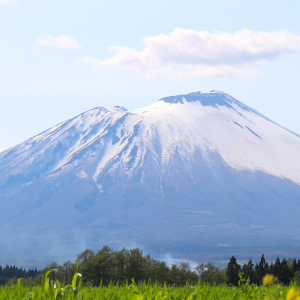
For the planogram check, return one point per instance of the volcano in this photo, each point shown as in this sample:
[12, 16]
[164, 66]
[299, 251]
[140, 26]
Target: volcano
[188, 172]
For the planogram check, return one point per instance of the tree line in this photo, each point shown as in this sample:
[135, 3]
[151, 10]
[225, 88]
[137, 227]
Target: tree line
[9, 272]
[120, 267]
[284, 271]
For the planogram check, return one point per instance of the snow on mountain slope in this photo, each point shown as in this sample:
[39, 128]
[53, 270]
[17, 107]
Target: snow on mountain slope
[185, 166]
[243, 138]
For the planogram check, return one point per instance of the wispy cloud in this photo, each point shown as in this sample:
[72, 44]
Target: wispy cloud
[186, 53]
[63, 41]
[3, 2]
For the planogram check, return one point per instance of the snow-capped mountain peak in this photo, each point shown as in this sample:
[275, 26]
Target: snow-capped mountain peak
[177, 162]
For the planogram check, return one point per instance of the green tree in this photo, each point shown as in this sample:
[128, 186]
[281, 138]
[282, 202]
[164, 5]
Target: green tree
[297, 276]
[233, 271]
[277, 267]
[173, 275]
[120, 264]
[209, 273]
[136, 264]
[261, 269]
[248, 271]
[85, 255]
[285, 274]
[98, 267]
[69, 270]
[161, 272]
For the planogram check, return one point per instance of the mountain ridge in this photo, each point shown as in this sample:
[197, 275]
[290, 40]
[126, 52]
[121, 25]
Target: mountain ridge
[158, 176]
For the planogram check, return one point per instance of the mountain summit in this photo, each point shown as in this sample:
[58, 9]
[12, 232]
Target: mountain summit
[183, 170]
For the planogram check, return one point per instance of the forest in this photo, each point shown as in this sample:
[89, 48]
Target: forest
[9, 272]
[108, 266]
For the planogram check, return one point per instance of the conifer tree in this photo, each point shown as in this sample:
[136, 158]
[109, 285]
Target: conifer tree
[233, 271]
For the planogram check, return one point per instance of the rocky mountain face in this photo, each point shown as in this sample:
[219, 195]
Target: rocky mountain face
[189, 172]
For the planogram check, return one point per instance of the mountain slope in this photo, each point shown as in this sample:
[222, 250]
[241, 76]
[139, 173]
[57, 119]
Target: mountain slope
[187, 168]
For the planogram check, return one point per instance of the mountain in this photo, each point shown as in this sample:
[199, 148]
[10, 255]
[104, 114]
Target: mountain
[189, 173]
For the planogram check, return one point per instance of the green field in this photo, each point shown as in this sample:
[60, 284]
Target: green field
[50, 290]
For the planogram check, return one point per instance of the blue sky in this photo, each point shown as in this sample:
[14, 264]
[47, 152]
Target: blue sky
[60, 58]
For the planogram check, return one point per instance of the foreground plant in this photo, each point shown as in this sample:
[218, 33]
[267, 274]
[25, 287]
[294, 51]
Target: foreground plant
[54, 290]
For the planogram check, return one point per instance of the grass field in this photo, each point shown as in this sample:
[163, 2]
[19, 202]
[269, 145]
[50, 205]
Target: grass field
[50, 290]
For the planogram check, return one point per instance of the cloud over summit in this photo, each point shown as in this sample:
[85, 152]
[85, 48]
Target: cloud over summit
[187, 53]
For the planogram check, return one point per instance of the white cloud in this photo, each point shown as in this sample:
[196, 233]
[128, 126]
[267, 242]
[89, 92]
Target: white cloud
[2, 149]
[186, 53]
[3, 2]
[63, 41]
